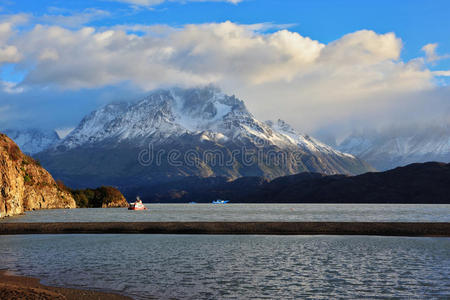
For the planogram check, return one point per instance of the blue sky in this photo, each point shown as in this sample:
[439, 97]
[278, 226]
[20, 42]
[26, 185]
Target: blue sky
[414, 23]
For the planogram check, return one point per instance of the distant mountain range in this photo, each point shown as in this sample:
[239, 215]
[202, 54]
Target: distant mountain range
[175, 133]
[426, 183]
[395, 147]
[172, 134]
[32, 141]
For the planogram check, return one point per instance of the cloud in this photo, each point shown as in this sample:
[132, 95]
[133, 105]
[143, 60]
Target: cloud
[441, 73]
[55, 108]
[431, 55]
[73, 20]
[8, 53]
[417, 109]
[10, 87]
[4, 113]
[279, 74]
[191, 55]
[15, 19]
[222, 53]
[149, 3]
[230, 1]
[141, 2]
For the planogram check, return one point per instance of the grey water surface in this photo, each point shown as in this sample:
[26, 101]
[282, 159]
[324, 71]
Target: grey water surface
[247, 212]
[236, 267]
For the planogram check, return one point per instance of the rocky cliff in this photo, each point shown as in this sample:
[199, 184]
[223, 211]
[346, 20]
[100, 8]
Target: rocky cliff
[25, 185]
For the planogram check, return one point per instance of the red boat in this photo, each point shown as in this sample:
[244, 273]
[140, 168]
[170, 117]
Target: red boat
[137, 205]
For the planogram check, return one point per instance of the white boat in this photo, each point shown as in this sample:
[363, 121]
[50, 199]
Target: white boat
[138, 205]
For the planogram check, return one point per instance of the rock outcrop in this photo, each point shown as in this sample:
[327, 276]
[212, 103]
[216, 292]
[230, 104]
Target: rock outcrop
[112, 198]
[104, 197]
[25, 185]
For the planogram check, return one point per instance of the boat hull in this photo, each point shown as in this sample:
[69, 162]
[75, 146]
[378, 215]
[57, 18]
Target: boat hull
[137, 208]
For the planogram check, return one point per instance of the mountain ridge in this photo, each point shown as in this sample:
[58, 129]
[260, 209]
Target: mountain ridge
[419, 183]
[394, 147]
[205, 121]
[31, 140]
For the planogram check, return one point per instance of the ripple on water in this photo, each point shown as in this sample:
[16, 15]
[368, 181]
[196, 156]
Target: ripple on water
[236, 267]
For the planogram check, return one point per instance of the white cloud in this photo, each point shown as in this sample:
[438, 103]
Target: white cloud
[73, 20]
[280, 74]
[10, 87]
[431, 55]
[141, 2]
[49, 54]
[363, 47]
[8, 53]
[150, 3]
[15, 19]
[195, 54]
[441, 73]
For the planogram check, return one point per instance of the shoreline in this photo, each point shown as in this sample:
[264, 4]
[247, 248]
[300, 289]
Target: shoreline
[24, 287]
[425, 229]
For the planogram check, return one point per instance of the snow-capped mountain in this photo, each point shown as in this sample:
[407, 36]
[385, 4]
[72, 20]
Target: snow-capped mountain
[170, 113]
[108, 142]
[395, 147]
[305, 142]
[163, 114]
[32, 141]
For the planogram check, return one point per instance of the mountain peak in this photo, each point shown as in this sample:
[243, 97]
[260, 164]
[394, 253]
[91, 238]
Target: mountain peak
[210, 134]
[110, 140]
[170, 112]
[175, 112]
[32, 140]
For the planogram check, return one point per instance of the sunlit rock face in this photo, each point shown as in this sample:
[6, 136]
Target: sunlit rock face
[25, 185]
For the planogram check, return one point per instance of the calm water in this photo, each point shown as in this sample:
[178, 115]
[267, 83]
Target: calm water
[247, 212]
[237, 267]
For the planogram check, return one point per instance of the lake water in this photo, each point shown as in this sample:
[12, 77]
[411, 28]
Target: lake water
[236, 267]
[247, 212]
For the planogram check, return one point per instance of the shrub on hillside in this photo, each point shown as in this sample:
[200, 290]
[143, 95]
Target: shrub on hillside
[96, 197]
[14, 152]
[61, 186]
